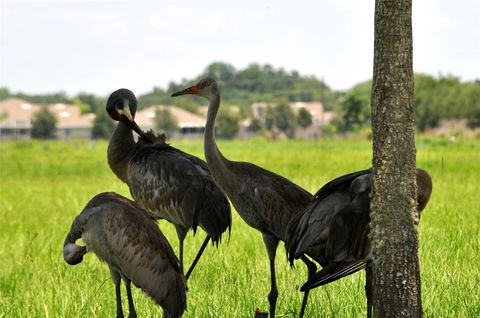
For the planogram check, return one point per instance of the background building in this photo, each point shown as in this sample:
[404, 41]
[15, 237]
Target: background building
[16, 120]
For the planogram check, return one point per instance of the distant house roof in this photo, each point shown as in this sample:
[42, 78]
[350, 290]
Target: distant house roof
[259, 109]
[18, 113]
[185, 119]
[69, 116]
[316, 110]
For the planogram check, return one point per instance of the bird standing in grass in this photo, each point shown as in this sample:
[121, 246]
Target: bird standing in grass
[125, 237]
[169, 183]
[264, 200]
[335, 227]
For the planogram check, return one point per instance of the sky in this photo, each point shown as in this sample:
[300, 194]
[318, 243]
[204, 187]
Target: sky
[97, 46]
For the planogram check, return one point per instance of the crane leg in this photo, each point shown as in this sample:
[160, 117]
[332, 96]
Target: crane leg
[369, 288]
[312, 269]
[181, 233]
[131, 308]
[181, 256]
[271, 244]
[199, 254]
[117, 280]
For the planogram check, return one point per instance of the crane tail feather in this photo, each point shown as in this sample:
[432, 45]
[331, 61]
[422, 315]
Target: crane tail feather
[332, 273]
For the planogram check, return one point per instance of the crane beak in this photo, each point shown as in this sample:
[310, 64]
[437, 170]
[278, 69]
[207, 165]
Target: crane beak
[133, 125]
[125, 112]
[193, 90]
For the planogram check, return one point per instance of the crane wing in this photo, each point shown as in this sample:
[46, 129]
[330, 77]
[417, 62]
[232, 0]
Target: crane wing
[176, 186]
[142, 254]
[338, 183]
[323, 222]
[272, 201]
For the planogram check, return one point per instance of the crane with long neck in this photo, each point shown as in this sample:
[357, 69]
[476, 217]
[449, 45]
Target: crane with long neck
[266, 201]
[169, 183]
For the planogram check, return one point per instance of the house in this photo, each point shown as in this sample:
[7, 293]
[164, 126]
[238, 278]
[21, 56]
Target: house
[259, 110]
[71, 123]
[16, 117]
[320, 116]
[190, 124]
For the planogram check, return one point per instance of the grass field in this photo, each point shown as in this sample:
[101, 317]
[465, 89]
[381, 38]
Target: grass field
[44, 185]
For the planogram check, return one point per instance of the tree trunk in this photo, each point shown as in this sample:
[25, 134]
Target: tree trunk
[394, 216]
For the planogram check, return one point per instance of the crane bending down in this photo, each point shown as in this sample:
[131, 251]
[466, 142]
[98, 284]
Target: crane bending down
[335, 226]
[264, 200]
[169, 183]
[124, 236]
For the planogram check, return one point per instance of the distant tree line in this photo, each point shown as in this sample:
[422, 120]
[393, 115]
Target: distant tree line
[436, 98]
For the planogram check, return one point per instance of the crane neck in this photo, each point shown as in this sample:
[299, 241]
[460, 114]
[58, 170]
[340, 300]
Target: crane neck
[213, 107]
[120, 150]
[216, 162]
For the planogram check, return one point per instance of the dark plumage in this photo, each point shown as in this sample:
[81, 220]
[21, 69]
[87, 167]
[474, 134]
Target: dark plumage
[125, 237]
[333, 228]
[169, 183]
[264, 200]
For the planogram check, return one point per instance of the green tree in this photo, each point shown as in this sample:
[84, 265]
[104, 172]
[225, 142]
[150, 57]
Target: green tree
[103, 126]
[471, 102]
[84, 108]
[445, 97]
[356, 113]
[427, 103]
[220, 71]
[95, 104]
[281, 117]
[255, 125]
[43, 124]
[4, 93]
[304, 118]
[227, 125]
[165, 122]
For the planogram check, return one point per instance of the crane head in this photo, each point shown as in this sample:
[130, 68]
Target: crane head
[206, 88]
[121, 106]
[73, 254]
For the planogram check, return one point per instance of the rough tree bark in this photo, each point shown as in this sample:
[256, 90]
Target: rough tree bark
[394, 216]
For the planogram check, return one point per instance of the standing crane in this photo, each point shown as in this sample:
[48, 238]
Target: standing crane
[125, 237]
[264, 200]
[335, 227]
[169, 183]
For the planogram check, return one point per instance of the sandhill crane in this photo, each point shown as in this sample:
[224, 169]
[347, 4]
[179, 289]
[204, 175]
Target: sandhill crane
[169, 183]
[264, 200]
[125, 237]
[334, 226]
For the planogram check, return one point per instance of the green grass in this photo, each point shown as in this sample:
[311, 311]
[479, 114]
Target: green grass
[44, 185]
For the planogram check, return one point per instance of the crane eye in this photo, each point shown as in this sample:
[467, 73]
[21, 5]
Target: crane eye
[115, 115]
